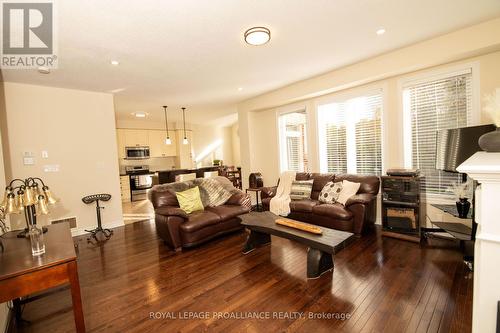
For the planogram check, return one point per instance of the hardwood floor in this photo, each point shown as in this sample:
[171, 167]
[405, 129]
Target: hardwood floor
[383, 285]
[136, 211]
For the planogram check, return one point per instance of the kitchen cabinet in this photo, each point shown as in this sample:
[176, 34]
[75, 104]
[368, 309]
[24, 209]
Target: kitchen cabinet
[157, 145]
[120, 141]
[155, 139]
[185, 151]
[136, 137]
[125, 188]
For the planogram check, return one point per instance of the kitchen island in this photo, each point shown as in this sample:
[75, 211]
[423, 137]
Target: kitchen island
[168, 176]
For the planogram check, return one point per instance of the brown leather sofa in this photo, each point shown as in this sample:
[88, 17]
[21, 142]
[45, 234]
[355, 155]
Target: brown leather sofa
[180, 230]
[358, 214]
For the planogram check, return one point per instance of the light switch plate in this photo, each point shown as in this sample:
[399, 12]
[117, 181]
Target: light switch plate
[28, 160]
[45, 154]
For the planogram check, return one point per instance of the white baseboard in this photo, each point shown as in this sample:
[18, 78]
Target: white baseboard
[110, 225]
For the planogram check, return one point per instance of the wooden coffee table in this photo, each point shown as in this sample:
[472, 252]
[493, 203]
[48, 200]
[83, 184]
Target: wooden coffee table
[321, 247]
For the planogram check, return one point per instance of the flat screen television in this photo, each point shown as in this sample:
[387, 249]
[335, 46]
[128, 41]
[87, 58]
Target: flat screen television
[454, 146]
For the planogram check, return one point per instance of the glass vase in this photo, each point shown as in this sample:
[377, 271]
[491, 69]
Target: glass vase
[37, 242]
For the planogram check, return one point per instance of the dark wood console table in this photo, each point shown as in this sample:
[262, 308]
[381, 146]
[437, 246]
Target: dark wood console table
[21, 274]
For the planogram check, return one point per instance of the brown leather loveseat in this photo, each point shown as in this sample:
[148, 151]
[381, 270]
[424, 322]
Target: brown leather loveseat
[359, 212]
[181, 230]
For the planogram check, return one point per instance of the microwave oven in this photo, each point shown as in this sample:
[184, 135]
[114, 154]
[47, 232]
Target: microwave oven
[136, 153]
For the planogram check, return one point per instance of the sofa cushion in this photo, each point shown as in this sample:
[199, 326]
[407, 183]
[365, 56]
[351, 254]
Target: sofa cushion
[226, 212]
[301, 189]
[336, 211]
[199, 220]
[171, 211]
[348, 190]
[189, 200]
[369, 184]
[227, 184]
[320, 180]
[216, 193]
[302, 176]
[330, 193]
[161, 197]
[305, 206]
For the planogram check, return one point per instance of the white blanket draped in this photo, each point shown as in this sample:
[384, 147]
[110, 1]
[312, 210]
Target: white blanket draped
[280, 203]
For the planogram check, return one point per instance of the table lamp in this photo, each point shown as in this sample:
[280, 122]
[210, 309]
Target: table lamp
[32, 196]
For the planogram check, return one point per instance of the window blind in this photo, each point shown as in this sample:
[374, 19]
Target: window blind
[350, 135]
[439, 104]
[369, 136]
[332, 120]
[293, 148]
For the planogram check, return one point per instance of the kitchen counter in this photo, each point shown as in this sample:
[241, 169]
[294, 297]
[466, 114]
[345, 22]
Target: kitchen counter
[168, 176]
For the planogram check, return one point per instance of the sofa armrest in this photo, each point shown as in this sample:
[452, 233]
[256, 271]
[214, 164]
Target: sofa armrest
[268, 192]
[171, 211]
[364, 210]
[240, 199]
[362, 198]
[167, 227]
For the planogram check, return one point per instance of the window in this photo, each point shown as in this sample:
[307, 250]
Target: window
[293, 147]
[429, 106]
[350, 135]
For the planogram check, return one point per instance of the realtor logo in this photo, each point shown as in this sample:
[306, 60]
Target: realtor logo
[28, 35]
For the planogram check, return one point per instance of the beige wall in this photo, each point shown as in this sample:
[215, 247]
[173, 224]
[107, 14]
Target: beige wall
[258, 116]
[77, 128]
[204, 138]
[235, 137]
[4, 310]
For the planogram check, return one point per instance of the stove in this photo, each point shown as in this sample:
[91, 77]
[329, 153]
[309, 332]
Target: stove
[141, 181]
[137, 170]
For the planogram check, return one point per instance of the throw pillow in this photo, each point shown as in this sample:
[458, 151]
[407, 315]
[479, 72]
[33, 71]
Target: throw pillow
[190, 200]
[330, 192]
[227, 184]
[301, 189]
[217, 194]
[348, 190]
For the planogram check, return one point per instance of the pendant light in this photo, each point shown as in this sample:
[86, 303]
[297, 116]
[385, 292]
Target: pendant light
[167, 140]
[185, 140]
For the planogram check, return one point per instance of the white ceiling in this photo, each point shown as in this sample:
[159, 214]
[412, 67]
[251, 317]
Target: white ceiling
[191, 52]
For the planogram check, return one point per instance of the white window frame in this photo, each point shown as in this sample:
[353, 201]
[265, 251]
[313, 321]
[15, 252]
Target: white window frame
[340, 97]
[433, 75]
[291, 108]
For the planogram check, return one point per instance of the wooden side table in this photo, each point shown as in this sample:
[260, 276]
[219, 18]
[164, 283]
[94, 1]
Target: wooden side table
[258, 190]
[22, 274]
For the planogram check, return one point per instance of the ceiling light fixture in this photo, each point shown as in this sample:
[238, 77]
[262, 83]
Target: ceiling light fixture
[185, 140]
[380, 31]
[140, 114]
[115, 62]
[257, 36]
[240, 89]
[167, 140]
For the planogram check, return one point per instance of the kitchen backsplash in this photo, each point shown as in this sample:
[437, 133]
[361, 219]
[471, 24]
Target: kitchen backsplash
[158, 163]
